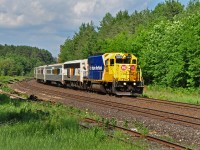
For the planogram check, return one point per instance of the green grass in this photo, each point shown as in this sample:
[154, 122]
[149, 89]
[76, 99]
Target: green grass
[4, 80]
[189, 95]
[42, 125]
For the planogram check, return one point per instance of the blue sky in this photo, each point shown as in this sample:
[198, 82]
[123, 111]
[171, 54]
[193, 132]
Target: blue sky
[46, 24]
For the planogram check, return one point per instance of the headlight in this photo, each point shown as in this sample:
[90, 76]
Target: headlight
[134, 83]
[124, 83]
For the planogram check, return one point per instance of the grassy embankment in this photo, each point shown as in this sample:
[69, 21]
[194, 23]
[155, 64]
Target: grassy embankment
[4, 80]
[173, 94]
[43, 125]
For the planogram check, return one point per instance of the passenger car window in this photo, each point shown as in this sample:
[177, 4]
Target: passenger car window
[48, 71]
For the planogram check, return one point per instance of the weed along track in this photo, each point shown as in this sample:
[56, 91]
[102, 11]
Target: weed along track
[132, 134]
[183, 118]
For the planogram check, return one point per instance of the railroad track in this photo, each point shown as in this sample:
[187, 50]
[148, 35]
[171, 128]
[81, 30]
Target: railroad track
[89, 120]
[180, 119]
[169, 103]
[135, 134]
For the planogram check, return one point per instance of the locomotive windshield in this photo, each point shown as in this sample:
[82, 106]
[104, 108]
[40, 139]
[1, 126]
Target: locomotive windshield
[125, 61]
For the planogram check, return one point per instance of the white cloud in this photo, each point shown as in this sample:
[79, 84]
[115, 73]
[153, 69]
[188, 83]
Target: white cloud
[37, 12]
[2, 1]
[86, 7]
[47, 22]
[11, 20]
[20, 13]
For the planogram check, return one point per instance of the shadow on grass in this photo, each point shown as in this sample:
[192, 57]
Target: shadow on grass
[4, 99]
[25, 115]
[39, 122]
[34, 119]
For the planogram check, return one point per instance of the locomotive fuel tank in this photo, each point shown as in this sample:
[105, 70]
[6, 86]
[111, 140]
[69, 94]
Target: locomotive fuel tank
[98, 88]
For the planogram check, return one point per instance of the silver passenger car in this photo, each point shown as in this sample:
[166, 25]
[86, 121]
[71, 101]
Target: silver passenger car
[71, 72]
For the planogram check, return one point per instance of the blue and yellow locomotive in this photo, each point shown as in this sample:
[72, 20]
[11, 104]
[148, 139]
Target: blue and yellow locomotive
[114, 73]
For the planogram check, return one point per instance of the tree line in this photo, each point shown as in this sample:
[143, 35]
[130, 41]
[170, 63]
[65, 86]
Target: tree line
[166, 41]
[20, 60]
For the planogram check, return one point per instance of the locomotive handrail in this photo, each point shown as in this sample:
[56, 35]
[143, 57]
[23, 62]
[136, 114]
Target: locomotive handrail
[140, 75]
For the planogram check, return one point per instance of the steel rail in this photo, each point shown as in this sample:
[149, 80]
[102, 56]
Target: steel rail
[177, 104]
[157, 114]
[139, 135]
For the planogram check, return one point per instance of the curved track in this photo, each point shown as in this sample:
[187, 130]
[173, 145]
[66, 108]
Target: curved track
[186, 120]
[170, 103]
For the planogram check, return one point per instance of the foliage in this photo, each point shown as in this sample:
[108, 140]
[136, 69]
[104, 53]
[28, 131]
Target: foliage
[20, 60]
[189, 95]
[168, 10]
[4, 80]
[141, 128]
[171, 53]
[166, 40]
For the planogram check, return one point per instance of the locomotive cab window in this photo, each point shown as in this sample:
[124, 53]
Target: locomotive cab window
[112, 62]
[134, 61]
[106, 62]
[119, 61]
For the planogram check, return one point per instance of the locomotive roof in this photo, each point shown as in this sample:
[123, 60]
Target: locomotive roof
[111, 54]
[75, 61]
